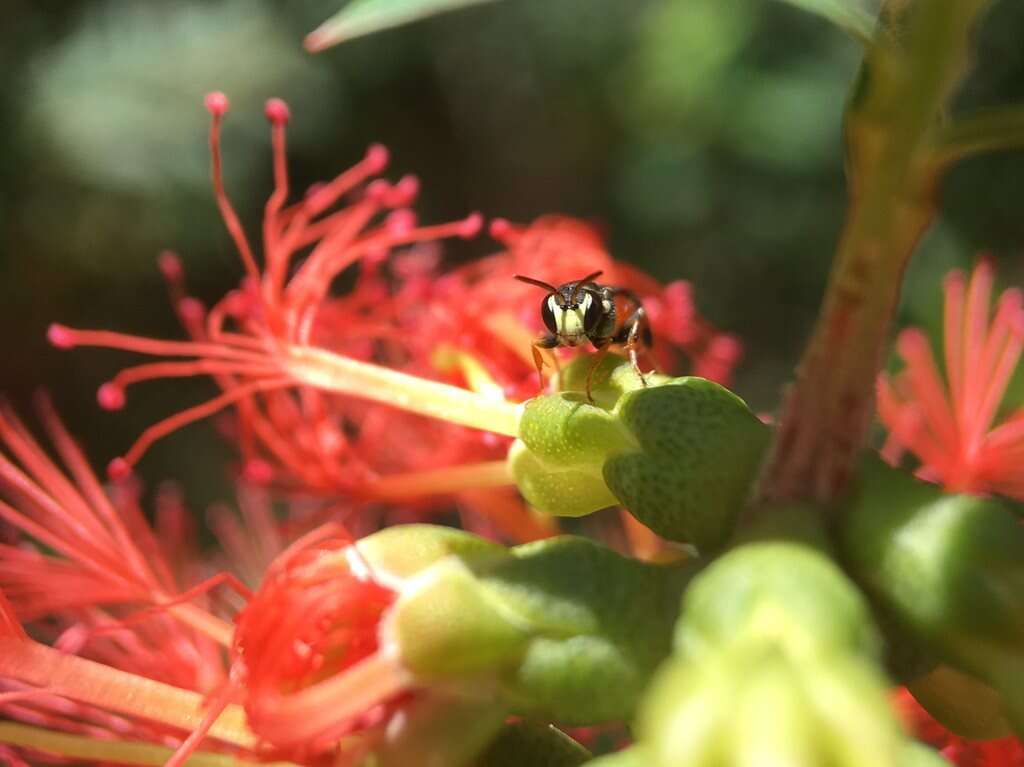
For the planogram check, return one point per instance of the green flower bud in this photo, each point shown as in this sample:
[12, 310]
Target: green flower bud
[786, 592]
[561, 628]
[680, 455]
[531, 744]
[753, 703]
[440, 728]
[601, 624]
[949, 568]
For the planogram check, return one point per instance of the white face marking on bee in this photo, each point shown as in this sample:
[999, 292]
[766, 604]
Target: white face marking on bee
[571, 330]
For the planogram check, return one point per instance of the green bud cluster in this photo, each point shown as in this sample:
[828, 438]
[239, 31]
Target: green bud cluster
[948, 573]
[773, 664]
[563, 629]
[679, 453]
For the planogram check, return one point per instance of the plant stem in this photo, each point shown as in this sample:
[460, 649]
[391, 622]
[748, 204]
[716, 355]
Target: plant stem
[95, 750]
[332, 372]
[115, 690]
[905, 83]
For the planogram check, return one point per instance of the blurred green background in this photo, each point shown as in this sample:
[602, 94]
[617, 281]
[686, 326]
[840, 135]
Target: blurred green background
[704, 135]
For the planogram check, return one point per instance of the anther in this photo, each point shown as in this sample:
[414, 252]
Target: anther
[110, 396]
[277, 111]
[60, 336]
[170, 267]
[119, 469]
[470, 226]
[216, 103]
[401, 221]
[376, 159]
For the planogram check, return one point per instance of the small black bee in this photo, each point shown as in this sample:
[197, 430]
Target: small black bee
[581, 311]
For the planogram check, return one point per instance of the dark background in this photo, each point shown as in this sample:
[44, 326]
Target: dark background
[704, 135]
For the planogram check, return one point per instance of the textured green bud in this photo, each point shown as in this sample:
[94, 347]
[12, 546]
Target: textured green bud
[680, 455]
[562, 628]
[600, 625]
[401, 551]
[787, 592]
[444, 625]
[440, 728]
[950, 568]
[532, 744]
[700, 448]
[753, 703]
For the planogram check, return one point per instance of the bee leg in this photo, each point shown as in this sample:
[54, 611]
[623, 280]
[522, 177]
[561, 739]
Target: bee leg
[546, 341]
[635, 331]
[602, 350]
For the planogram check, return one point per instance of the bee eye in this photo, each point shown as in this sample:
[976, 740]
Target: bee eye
[548, 315]
[593, 312]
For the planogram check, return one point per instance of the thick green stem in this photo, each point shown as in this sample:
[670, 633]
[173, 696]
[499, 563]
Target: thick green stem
[442, 481]
[903, 89]
[332, 372]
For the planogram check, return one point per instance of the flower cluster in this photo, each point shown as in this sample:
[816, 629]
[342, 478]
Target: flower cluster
[401, 393]
[297, 362]
[951, 425]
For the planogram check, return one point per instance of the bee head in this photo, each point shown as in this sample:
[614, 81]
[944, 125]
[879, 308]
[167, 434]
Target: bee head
[570, 312]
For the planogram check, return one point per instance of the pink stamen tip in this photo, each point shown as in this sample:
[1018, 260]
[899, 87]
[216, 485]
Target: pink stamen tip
[236, 304]
[954, 279]
[314, 189]
[216, 103]
[119, 470]
[502, 230]
[376, 255]
[60, 336]
[404, 192]
[377, 158]
[110, 396]
[192, 309]
[258, 472]
[471, 226]
[911, 342]
[277, 111]
[170, 266]
[401, 221]
[726, 348]
[378, 191]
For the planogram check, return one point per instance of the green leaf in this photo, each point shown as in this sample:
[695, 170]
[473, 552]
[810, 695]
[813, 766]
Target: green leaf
[364, 17]
[848, 15]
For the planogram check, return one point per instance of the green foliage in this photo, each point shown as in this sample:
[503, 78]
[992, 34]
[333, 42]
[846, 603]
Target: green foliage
[848, 15]
[364, 17]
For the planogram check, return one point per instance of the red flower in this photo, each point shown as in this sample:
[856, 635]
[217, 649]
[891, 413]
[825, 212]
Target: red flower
[306, 648]
[954, 428]
[304, 659]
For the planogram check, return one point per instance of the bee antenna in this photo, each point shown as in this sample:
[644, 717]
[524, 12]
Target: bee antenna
[537, 283]
[581, 283]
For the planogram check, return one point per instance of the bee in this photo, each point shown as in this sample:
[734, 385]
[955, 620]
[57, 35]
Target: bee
[582, 310]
